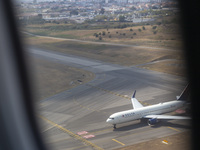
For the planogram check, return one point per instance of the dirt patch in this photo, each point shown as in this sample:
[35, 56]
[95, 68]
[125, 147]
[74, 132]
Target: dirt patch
[175, 67]
[179, 141]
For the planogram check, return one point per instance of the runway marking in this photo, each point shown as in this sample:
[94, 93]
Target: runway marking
[174, 129]
[82, 132]
[147, 131]
[88, 143]
[165, 142]
[118, 142]
[89, 136]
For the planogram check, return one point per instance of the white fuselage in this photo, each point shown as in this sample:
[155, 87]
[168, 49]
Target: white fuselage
[130, 115]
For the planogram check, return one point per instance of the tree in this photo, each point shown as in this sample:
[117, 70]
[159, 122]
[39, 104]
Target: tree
[143, 28]
[36, 19]
[96, 35]
[131, 29]
[121, 18]
[139, 30]
[133, 8]
[39, 16]
[73, 12]
[124, 26]
[102, 11]
[103, 33]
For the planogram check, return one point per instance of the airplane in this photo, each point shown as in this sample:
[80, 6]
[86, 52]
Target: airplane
[151, 113]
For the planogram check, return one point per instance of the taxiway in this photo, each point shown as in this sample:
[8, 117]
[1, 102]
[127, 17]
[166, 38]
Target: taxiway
[76, 118]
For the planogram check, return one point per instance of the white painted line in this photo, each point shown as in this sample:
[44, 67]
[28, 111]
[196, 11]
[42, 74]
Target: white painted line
[89, 136]
[82, 132]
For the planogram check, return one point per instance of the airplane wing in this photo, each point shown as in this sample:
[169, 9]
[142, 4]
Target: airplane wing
[166, 117]
[135, 102]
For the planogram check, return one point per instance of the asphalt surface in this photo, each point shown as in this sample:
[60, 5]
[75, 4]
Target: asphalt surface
[76, 118]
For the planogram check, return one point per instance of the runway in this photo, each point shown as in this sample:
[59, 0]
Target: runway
[76, 118]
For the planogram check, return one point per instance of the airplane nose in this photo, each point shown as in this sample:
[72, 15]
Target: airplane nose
[107, 120]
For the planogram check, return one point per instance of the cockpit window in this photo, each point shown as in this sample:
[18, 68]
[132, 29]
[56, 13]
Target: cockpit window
[112, 118]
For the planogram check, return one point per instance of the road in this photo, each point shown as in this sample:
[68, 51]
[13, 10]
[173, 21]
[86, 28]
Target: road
[76, 118]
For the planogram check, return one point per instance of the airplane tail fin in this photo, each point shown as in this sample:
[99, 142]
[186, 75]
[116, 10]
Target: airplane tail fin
[185, 94]
[136, 104]
[134, 94]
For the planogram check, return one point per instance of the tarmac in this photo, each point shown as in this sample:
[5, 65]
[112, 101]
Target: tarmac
[76, 118]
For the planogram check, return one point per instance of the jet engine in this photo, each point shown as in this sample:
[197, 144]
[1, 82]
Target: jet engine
[152, 121]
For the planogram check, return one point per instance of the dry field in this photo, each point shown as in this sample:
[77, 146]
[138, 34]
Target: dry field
[168, 36]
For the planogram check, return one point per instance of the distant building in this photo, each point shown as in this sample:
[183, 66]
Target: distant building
[122, 1]
[34, 1]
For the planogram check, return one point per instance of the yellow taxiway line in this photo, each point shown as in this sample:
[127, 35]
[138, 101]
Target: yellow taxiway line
[72, 134]
[174, 129]
[118, 142]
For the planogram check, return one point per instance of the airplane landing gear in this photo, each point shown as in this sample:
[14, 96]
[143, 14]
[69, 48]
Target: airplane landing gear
[114, 126]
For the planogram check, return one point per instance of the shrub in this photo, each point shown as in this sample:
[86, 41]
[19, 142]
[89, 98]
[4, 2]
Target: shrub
[95, 34]
[154, 27]
[158, 23]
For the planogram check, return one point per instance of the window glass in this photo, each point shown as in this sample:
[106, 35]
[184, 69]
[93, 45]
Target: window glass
[86, 57]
